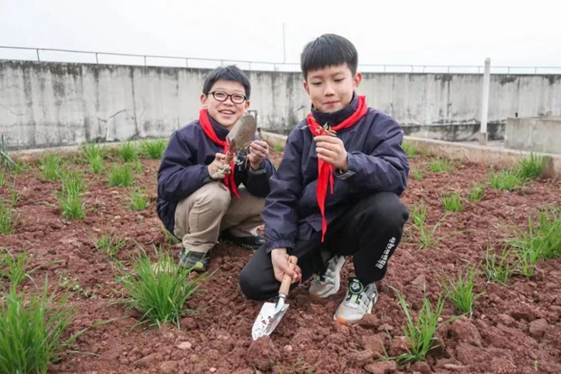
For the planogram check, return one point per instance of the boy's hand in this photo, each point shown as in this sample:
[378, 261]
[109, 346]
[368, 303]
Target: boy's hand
[258, 151]
[331, 149]
[218, 168]
[281, 266]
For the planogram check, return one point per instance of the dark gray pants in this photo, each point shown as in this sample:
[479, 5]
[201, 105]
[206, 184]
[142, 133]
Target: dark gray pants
[369, 232]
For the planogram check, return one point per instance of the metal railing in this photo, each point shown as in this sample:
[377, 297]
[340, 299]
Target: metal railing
[98, 57]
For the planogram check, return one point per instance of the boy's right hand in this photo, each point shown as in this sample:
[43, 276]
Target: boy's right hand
[282, 266]
[218, 168]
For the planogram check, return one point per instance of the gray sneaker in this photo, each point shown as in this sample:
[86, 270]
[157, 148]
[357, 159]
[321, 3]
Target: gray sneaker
[357, 303]
[328, 283]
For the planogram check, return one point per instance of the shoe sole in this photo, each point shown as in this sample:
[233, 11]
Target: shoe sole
[342, 321]
[338, 268]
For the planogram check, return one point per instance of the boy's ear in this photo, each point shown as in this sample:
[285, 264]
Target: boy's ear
[306, 87]
[357, 79]
[203, 98]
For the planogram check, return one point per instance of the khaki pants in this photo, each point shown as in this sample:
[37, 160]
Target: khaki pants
[201, 216]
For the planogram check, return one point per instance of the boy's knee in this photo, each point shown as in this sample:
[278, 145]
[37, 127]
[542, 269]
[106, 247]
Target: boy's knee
[214, 196]
[386, 208]
[251, 286]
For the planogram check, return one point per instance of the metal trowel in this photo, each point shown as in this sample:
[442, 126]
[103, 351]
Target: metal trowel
[271, 313]
[242, 133]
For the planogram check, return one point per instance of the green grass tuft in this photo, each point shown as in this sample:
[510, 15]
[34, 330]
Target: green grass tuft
[506, 180]
[110, 245]
[153, 149]
[476, 193]
[6, 218]
[440, 165]
[452, 202]
[120, 176]
[50, 167]
[128, 152]
[531, 167]
[460, 292]
[138, 200]
[159, 290]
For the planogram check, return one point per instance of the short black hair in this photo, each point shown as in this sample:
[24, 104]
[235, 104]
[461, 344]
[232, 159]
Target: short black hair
[227, 73]
[328, 50]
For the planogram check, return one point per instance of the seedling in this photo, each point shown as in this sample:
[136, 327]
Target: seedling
[452, 202]
[410, 149]
[476, 193]
[153, 149]
[70, 197]
[440, 165]
[460, 292]
[543, 237]
[31, 332]
[2, 178]
[139, 201]
[110, 245]
[419, 215]
[278, 147]
[120, 176]
[417, 174]
[6, 218]
[420, 332]
[506, 180]
[497, 268]
[128, 152]
[531, 167]
[159, 290]
[50, 167]
[13, 268]
[94, 156]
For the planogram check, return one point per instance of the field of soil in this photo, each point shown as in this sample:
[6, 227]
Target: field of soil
[514, 328]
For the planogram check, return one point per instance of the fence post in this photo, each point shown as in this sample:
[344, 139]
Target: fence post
[96, 59]
[485, 102]
[38, 59]
[144, 61]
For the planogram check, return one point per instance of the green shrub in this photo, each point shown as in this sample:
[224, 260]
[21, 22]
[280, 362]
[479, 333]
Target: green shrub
[128, 152]
[110, 245]
[452, 202]
[476, 193]
[440, 165]
[420, 332]
[153, 149]
[506, 180]
[460, 292]
[50, 166]
[531, 167]
[159, 290]
[31, 332]
[120, 176]
[139, 200]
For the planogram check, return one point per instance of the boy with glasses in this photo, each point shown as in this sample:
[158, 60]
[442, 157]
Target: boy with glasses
[336, 192]
[198, 188]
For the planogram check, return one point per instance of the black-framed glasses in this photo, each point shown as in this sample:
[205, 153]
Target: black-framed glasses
[223, 96]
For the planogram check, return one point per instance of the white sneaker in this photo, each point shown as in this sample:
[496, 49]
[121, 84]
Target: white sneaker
[357, 303]
[328, 284]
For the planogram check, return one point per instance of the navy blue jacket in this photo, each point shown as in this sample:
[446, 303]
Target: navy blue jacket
[376, 163]
[183, 169]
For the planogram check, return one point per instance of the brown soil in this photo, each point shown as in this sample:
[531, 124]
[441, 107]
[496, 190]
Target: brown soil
[515, 328]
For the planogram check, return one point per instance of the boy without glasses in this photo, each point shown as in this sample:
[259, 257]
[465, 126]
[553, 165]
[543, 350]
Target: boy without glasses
[336, 192]
[199, 192]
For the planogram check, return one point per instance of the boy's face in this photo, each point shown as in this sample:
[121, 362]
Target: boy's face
[226, 112]
[331, 88]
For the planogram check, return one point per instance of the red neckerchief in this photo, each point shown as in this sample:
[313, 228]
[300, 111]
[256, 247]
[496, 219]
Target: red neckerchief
[325, 169]
[229, 180]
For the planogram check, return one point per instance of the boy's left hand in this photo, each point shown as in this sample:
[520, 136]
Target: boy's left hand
[331, 149]
[258, 151]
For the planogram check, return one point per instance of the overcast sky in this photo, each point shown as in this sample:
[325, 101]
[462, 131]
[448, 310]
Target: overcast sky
[420, 32]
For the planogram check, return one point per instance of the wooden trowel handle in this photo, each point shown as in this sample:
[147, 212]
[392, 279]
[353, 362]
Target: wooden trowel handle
[287, 280]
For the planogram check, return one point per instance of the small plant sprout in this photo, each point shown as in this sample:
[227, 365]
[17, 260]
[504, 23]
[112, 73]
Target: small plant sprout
[6, 218]
[452, 202]
[417, 174]
[420, 332]
[110, 245]
[159, 290]
[138, 201]
[410, 149]
[476, 193]
[460, 292]
[120, 176]
[506, 180]
[128, 152]
[497, 267]
[440, 165]
[419, 215]
[31, 331]
[13, 267]
[543, 237]
[70, 197]
[2, 178]
[50, 167]
[531, 167]
[153, 149]
[93, 154]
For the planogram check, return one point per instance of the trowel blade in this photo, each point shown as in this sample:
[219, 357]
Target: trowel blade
[268, 319]
[242, 133]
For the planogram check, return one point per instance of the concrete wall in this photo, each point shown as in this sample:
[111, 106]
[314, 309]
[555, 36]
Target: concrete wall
[535, 134]
[52, 104]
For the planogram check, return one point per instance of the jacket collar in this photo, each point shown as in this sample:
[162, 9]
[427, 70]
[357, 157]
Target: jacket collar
[338, 116]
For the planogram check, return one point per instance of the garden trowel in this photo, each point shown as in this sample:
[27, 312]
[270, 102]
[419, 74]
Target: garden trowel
[242, 133]
[271, 313]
